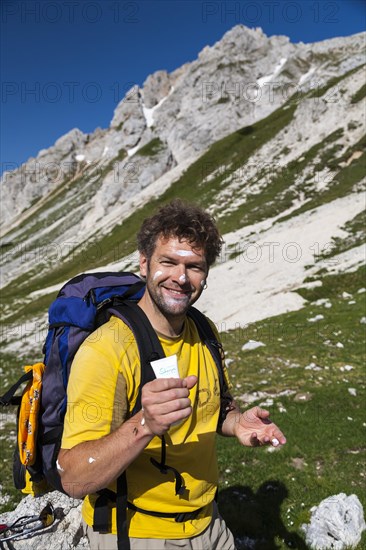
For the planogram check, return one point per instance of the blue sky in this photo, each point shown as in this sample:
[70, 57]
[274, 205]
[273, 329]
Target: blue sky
[67, 63]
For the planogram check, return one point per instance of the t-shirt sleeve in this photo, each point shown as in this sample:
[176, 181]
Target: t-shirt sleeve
[96, 395]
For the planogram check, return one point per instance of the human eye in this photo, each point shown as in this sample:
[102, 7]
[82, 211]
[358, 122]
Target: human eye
[196, 267]
[166, 262]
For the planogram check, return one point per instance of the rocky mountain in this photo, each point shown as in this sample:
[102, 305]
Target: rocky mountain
[238, 81]
[266, 134]
[251, 117]
[296, 110]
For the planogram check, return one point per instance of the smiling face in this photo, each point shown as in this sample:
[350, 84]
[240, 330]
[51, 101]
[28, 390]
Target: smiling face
[175, 275]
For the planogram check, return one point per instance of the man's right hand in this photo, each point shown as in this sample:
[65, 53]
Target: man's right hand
[166, 401]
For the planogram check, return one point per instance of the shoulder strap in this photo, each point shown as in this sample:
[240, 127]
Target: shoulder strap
[149, 348]
[9, 398]
[209, 338]
[147, 341]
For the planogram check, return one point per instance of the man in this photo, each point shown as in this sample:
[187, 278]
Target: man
[177, 246]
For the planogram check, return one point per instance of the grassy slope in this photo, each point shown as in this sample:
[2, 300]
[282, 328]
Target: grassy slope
[270, 494]
[344, 180]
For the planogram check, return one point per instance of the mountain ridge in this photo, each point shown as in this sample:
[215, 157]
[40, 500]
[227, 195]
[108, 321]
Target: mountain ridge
[211, 91]
[285, 160]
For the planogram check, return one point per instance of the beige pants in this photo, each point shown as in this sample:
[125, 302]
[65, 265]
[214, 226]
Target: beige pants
[216, 537]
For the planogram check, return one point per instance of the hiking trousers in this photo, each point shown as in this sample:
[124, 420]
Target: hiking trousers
[215, 537]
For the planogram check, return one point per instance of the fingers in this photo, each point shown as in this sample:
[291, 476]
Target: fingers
[275, 438]
[191, 381]
[160, 420]
[270, 434]
[163, 390]
[257, 440]
[263, 414]
[278, 439]
[164, 396]
[255, 428]
[168, 407]
[161, 384]
[166, 401]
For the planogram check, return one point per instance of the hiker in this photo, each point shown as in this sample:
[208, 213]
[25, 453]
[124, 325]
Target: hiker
[177, 246]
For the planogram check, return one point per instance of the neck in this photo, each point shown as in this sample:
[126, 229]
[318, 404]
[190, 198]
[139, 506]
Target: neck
[171, 326]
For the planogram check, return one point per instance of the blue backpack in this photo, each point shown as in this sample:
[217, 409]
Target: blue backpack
[82, 305]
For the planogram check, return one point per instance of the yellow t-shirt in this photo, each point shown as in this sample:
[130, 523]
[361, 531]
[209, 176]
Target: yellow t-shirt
[104, 379]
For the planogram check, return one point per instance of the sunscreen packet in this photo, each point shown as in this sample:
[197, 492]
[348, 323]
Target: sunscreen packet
[167, 367]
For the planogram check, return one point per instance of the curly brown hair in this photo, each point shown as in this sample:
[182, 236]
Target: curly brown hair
[184, 221]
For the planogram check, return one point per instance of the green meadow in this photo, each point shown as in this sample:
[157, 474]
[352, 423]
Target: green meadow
[311, 377]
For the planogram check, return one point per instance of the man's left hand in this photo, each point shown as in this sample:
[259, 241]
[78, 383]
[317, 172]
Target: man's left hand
[254, 427]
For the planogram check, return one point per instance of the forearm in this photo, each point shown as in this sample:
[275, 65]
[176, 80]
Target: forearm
[93, 465]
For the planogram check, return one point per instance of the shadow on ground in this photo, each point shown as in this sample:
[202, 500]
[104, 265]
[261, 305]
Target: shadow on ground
[255, 518]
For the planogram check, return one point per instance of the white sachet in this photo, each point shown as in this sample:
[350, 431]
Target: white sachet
[166, 367]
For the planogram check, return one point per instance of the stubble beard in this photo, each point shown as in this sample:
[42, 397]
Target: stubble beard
[169, 307]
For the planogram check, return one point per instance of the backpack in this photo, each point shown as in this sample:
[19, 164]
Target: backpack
[82, 305]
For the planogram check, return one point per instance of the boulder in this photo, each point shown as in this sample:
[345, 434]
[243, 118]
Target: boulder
[337, 523]
[64, 534]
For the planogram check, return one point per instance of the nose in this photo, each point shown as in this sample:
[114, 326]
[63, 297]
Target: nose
[180, 274]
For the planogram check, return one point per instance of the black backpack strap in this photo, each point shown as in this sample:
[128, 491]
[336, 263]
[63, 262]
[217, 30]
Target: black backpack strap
[150, 349]
[8, 398]
[123, 541]
[209, 338]
[147, 341]
[163, 468]
[101, 517]
[179, 517]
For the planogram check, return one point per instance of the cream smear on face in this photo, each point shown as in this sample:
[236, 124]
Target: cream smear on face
[182, 279]
[185, 253]
[157, 274]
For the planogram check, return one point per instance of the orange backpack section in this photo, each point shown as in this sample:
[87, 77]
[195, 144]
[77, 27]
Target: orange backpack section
[28, 415]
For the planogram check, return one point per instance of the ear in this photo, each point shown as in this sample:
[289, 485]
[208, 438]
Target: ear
[143, 265]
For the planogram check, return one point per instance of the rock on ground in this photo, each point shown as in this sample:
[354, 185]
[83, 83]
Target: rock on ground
[65, 533]
[337, 523]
